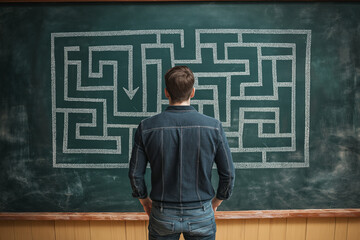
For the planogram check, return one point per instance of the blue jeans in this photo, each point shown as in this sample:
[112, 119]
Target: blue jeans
[169, 223]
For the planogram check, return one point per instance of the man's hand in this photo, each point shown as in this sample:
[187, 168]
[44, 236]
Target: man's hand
[147, 204]
[215, 203]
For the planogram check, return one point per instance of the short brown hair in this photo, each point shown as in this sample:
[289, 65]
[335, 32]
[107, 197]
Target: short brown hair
[179, 83]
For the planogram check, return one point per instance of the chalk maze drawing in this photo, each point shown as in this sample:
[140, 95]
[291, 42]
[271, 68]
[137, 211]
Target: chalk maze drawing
[256, 82]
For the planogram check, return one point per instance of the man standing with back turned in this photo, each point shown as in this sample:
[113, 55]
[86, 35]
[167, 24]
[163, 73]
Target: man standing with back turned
[181, 146]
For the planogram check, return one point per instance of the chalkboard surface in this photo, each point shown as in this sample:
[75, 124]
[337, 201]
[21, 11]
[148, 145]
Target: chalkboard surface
[76, 79]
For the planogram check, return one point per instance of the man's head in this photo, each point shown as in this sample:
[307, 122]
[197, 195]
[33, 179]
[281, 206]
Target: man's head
[179, 83]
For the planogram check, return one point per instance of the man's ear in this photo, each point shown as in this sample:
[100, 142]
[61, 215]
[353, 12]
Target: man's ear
[192, 93]
[167, 95]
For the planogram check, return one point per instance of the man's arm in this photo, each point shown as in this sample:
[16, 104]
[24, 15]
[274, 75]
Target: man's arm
[225, 168]
[137, 168]
[147, 205]
[215, 203]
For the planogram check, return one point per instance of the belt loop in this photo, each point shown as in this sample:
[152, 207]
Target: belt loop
[202, 206]
[181, 209]
[161, 208]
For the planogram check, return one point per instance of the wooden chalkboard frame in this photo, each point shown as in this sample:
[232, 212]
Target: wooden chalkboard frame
[152, 1]
[138, 216]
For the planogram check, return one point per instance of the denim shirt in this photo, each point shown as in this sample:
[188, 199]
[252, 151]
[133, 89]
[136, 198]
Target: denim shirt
[181, 146]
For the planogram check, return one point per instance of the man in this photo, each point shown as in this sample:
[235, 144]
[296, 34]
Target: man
[181, 146]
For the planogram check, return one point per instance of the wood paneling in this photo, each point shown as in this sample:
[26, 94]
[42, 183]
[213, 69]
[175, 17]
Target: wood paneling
[110, 230]
[42, 230]
[341, 227]
[264, 229]
[23, 230]
[320, 229]
[235, 229]
[238, 229]
[353, 229]
[277, 229]
[221, 229]
[251, 229]
[82, 230]
[7, 230]
[296, 228]
[72, 230]
[136, 230]
[65, 230]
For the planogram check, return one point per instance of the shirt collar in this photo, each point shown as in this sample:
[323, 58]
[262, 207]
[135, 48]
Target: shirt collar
[180, 108]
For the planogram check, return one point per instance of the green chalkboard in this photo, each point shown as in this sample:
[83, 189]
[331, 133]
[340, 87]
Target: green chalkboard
[76, 79]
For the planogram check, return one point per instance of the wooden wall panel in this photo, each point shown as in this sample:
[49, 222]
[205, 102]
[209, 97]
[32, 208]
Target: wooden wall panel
[65, 230]
[353, 229]
[23, 230]
[235, 229]
[100, 230]
[341, 227]
[250, 229]
[264, 229]
[320, 229]
[43, 230]
[110, 230]
[278, 229]
[82, 230]
[221, 229]
[72, 230]
[296, 228]
[119, 230]
[136, 230]
[7, 230]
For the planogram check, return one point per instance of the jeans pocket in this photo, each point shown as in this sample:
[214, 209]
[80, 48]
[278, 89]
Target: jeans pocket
[161, 227]
[202, 227]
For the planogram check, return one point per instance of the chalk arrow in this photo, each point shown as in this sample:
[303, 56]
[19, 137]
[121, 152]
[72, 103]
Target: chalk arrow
[131, 92]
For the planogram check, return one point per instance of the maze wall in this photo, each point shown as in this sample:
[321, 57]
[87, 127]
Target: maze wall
[256, 82]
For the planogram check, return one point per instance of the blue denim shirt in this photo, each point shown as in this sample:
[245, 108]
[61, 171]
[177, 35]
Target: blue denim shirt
[181, 146]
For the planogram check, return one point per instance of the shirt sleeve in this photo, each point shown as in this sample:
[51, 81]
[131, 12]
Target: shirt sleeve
[225, 167]
[137, 166]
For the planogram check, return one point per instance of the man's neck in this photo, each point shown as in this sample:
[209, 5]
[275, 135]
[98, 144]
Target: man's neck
[184, 103]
